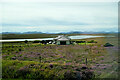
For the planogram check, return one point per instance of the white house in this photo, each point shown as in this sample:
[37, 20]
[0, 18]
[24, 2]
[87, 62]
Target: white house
[62, 40]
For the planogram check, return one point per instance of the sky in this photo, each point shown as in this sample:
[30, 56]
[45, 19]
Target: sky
[58, 16]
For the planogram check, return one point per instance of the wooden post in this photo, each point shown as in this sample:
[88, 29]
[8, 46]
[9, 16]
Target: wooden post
[86, 61]
[40, 58]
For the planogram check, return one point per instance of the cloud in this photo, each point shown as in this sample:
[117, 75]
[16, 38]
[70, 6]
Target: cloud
[60, 16]
[60, 0]
[30, 27]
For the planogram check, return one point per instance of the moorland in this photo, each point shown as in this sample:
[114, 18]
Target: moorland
[89, 60]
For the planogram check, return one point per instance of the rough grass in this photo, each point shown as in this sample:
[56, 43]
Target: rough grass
[32, 36]
[59, 61]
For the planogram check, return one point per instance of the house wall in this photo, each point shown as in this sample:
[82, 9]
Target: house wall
[58, 43]
[67, 42]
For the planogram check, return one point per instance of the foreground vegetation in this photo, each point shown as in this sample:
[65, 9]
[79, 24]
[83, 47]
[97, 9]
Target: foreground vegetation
[60, 62]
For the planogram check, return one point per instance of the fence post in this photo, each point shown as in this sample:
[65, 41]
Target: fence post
[86, 61]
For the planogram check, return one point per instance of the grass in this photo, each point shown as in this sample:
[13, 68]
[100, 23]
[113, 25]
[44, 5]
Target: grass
[32, 36]
[36, 61]
[26, 36]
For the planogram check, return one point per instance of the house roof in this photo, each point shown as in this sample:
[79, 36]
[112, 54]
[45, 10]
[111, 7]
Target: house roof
[62, 38]
[59, 37]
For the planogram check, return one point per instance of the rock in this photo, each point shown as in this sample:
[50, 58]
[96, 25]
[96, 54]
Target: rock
[13, 58]
[51, 65]
[38, 53]
[78, 69]
[84, 67]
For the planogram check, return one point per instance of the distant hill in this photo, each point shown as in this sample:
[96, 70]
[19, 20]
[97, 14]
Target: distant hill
[72, 32]
[34, 32]
[11, 33]
[77, 32]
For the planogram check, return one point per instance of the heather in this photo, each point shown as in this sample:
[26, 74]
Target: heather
[60, 62]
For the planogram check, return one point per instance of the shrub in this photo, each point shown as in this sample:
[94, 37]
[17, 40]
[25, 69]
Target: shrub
[51, 65]
[36, 41]
[92, 41]
[13, 58]
[22, 72]
[20, 49]
[26, 41]
[43, 42]
[108, 45]
[86, 75]
[69, 75]
[80, 41]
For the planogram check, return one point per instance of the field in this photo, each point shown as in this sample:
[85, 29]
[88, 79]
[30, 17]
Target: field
[33, 36]
[60, 62]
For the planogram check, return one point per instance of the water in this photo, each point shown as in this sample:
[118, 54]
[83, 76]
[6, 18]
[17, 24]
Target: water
[72, 37]
[83, 36]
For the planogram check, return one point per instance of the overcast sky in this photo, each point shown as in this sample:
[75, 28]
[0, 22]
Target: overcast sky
[59, 16]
